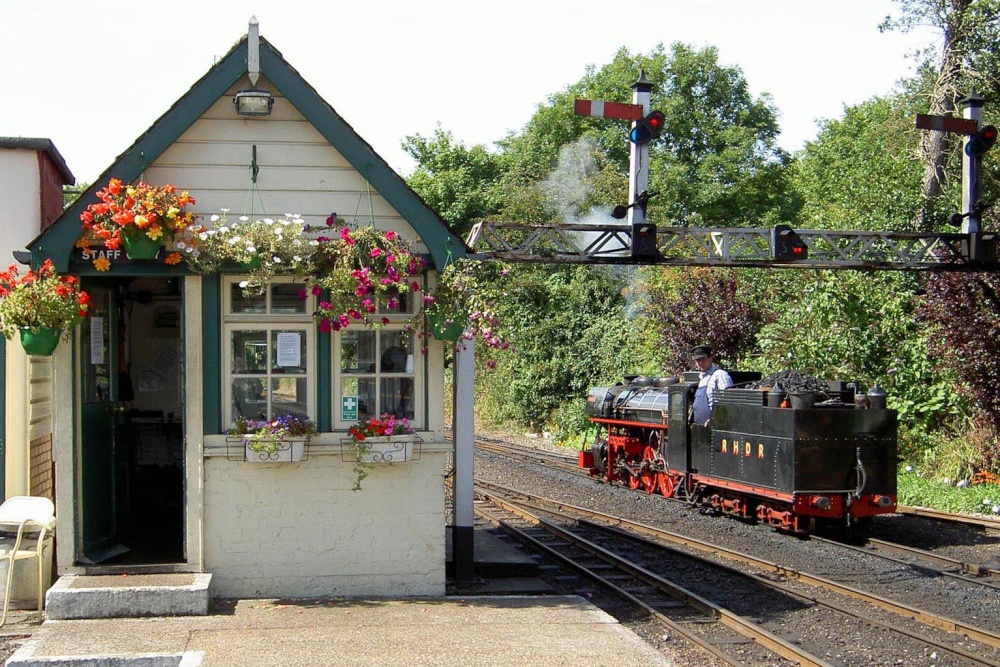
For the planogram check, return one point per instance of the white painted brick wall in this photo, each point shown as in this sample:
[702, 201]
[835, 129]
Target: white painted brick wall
[297, 530]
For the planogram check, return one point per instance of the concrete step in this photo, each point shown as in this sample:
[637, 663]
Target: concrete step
[128, 596]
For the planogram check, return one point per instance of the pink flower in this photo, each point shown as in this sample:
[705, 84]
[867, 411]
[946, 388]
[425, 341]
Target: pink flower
[385, 320]
[325, 305]
[391, 235]
[317, 290]
[324, 325]
[302, 295]
[332, 220]
[354, 314]
[344, 320]
[415, 286]
[491, 363]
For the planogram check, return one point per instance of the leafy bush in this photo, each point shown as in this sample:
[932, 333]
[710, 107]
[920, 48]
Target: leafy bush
[568, 327]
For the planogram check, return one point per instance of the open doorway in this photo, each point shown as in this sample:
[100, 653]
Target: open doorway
[132, 433]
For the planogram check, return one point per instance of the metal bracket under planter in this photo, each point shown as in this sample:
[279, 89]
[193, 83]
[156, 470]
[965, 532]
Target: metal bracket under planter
[383, 449]
[288, 450]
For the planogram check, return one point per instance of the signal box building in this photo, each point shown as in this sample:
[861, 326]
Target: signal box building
[146, 480]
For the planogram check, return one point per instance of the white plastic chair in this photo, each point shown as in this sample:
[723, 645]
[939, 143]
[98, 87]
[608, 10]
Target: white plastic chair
[25, 514]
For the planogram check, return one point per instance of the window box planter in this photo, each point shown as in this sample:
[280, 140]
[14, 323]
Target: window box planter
[258, 449]
[381, 449]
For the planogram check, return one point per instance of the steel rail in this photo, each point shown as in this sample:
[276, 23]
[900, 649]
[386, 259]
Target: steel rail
[981, 635]
[990, 525]
[964, 572]
[730, 620]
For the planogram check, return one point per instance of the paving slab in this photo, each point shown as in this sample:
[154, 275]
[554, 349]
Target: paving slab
[480, 631]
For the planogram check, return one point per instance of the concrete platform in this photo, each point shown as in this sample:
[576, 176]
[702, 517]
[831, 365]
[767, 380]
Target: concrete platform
[500, 568]
[510, 631]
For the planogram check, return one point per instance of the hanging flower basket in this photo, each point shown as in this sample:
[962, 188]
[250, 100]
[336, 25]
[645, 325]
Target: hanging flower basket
[39, 306]
[40, 342]
[261, 248]
[140, 246]
[140, 217]
[445, 329]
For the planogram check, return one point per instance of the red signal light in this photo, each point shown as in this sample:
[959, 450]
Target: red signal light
[647, 128]
[786, 244]
[981, 141]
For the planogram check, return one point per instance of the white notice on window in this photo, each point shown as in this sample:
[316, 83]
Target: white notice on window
[289, 349]
[96, 340]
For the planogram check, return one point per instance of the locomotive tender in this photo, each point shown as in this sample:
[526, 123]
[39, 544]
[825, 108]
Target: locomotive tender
[787, 461]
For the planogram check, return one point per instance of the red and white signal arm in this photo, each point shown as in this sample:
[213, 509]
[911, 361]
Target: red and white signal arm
[607, 109]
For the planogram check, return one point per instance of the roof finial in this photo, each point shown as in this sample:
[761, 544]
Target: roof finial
[253, 51]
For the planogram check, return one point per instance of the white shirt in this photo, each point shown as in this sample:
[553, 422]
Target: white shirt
[714, 378]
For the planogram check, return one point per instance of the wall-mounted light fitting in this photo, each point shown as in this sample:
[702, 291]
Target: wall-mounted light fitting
[253, 103]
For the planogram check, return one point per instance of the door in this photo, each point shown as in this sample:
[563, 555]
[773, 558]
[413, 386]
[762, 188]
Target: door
[101, 416]
[130, 459]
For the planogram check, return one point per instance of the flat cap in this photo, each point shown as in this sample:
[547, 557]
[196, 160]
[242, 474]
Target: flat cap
[701, 351]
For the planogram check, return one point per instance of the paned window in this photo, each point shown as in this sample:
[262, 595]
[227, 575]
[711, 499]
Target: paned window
[268, 352]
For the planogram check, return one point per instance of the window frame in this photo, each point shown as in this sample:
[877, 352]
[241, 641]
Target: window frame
[337, 377]
[270, 323]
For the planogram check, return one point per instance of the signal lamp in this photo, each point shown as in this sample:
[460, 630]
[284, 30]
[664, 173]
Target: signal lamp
[648, 128]
[787, 244]
[981, 141]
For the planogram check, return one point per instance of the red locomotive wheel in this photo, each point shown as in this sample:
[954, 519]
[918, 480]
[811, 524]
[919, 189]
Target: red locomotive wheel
[634, 482]
[648, 477]
[667, 484]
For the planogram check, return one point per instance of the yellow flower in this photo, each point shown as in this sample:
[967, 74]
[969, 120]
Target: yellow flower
[141, 221]
[155, 232]
[172, 212]
[102, 264]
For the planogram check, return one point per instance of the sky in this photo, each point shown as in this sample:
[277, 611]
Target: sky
[92, 76]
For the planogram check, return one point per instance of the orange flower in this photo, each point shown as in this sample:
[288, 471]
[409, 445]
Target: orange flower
[123, 208]
[102, 264]
[173, 258]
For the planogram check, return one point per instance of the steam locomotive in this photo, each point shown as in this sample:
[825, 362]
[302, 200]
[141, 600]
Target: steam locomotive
[797, 461]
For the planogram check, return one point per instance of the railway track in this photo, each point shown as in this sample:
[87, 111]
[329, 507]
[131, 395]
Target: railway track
[944, 565]
[947, 640]
[719, 632]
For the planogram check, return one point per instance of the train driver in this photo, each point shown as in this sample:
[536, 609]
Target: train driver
[711, 379]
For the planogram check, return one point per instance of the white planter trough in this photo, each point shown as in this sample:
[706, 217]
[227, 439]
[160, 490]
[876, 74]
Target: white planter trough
[286, 451]
[386, 449]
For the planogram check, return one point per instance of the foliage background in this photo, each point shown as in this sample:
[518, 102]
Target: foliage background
[929, 340]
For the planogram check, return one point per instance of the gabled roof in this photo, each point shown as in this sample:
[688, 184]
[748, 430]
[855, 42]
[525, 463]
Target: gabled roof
[58, 240]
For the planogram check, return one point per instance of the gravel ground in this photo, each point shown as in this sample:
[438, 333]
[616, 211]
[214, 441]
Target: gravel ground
[969, 603]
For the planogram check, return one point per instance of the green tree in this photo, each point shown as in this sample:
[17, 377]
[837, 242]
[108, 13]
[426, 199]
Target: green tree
[966, 58]
[456, 181]
[717, 161]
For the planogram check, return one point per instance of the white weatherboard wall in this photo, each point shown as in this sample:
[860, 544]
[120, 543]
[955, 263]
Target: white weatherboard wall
[297, 530]
[299, 171]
